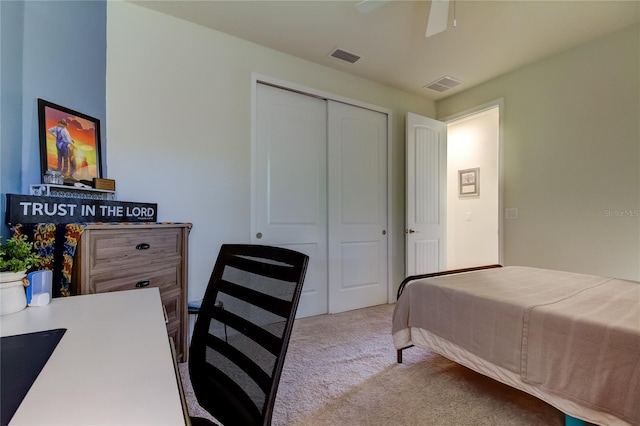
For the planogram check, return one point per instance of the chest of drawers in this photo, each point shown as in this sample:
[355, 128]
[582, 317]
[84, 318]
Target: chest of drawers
[127, 257]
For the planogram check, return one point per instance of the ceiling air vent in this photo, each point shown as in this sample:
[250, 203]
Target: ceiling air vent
[344, 56]
[442, 84]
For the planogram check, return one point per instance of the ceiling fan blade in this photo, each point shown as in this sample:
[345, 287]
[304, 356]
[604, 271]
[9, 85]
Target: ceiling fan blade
[366, 6]
[438, 17]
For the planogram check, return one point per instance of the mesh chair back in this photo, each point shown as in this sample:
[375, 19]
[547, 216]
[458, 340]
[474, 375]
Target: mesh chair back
[242, 331]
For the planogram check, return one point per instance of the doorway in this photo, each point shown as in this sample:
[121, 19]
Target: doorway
[474, 188]
[449, 226]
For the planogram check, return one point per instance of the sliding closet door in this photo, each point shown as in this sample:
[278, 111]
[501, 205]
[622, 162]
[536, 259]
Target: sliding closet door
[320, 187]
[357, 181]
[290, 184]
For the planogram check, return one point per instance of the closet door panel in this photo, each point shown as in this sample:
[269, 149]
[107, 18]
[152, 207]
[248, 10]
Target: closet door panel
[359, 173]
[357, 206]
[290, 188]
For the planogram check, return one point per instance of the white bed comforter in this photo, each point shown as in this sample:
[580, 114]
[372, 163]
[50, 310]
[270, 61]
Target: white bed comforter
[572, 335]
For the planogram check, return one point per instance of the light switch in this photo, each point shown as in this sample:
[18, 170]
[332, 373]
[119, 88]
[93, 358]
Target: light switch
[467, 216]
[511, 213]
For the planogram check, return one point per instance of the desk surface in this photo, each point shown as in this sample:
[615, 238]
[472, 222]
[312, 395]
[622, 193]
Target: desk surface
[113, 366]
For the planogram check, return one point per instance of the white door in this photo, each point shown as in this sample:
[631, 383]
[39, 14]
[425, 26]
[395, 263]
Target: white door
[320, 187]
[290, 184]
[426, 168]
[357, 181]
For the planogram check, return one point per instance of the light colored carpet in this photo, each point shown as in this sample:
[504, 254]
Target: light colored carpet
[341, 370]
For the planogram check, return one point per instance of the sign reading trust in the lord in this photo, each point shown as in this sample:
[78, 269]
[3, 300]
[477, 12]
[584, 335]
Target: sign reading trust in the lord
[39, 209]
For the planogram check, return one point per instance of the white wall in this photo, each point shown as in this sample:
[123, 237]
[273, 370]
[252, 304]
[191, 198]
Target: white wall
[179, 120]
[571, 157]
[472, 222]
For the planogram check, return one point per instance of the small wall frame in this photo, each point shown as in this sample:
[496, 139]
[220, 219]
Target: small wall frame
[469, 182]
[69, 143]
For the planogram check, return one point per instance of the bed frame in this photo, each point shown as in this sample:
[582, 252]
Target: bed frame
[569, 420]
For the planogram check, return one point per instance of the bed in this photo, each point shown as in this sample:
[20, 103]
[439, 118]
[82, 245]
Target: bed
[570, 339]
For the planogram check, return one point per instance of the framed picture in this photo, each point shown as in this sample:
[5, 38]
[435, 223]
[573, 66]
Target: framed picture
[469, 182]
[69, 143]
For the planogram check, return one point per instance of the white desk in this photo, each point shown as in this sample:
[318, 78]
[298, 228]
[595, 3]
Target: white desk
[113, 365]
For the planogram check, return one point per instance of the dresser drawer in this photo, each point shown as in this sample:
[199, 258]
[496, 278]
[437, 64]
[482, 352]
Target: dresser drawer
[172, 307]
[119, 248]
[174, 311]
[165, 276]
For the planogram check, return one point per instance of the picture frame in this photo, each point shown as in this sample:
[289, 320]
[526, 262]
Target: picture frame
[469, 182]
[79, 160]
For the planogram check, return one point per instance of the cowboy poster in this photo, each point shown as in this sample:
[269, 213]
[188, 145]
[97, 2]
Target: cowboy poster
[70, 143]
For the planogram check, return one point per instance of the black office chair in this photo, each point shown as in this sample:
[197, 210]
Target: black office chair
[242, 332]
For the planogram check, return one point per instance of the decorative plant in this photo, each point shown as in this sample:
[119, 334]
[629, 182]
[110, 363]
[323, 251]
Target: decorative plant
[17, 254]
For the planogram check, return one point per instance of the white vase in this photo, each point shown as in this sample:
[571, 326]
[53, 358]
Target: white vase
[12, 294]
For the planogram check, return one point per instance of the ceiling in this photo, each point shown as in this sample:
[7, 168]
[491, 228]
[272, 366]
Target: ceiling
[490, 38]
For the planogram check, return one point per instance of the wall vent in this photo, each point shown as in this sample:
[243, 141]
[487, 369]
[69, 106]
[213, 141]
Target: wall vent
[344, 56]
[442, 84]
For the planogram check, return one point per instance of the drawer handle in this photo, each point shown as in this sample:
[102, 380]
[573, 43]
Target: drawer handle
[141, 284]
[142, 246]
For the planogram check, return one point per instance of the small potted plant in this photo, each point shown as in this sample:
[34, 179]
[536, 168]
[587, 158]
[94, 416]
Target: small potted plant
[16, 258]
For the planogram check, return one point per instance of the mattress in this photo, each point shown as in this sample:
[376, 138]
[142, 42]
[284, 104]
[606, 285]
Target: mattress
[572, 338]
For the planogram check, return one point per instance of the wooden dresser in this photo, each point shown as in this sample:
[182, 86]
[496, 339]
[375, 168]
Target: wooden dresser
[128, 256]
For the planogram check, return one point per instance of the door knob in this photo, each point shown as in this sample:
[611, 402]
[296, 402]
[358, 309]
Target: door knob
[409, 231]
